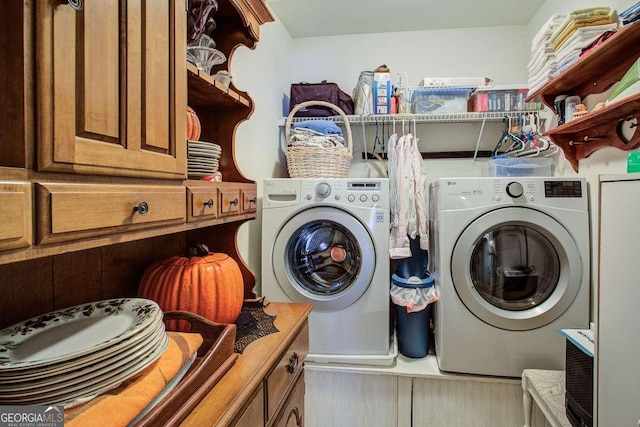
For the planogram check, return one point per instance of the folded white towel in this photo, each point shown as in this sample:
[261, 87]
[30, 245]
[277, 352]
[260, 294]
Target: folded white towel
[547, 29]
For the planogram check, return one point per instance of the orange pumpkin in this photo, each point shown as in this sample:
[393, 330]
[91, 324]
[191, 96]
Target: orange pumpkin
[206, 283]
[193, 125]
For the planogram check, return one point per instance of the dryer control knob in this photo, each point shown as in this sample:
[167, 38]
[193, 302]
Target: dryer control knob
[323, 190]
[514, 189]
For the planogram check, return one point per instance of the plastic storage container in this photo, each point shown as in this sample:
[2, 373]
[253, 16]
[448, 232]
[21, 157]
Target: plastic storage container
[436, 101]
[412, 329]
[412, 284]
[520, 166]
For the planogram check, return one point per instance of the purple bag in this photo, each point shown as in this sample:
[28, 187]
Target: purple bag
[324, 91]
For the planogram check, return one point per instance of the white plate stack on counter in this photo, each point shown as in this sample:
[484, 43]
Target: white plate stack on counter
[69, 356]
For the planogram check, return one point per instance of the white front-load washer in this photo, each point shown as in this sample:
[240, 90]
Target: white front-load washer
[511, 259]
[326, 242]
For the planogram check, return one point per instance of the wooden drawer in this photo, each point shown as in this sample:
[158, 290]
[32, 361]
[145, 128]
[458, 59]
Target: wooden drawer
[249, 199]
[16, 227]
[281, 379]
[253, 415]
[292, 414]
[75, 211]
[202, 203]
[229, 199]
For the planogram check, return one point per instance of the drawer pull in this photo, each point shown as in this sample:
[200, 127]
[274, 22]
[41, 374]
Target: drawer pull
[76, 4]
[234, 202]
[142, 208]
[292, 366]
[254, 200]
[296, 413]
[209, 203]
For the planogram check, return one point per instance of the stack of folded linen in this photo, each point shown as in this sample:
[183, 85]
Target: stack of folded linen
[631, 15]
[591, 22]
[543, 62]
[581, 39]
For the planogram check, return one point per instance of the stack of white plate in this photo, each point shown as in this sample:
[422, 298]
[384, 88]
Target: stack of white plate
[203, 158]
[70, 356]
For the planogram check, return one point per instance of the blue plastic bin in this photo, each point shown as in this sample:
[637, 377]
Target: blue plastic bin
[412, 329]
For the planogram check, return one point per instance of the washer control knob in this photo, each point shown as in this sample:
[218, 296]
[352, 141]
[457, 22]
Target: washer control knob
[363, 198]
[323, 190]
[351, 198]
[375, 197]
[514, 189]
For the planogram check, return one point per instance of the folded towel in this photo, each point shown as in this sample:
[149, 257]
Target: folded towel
[587, 22]
[325, 127]
[598, 12]
[118, 407]
[547, 29]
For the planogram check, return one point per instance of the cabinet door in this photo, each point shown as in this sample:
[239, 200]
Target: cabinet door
[617, 347]
[111, 86]
[292, 414]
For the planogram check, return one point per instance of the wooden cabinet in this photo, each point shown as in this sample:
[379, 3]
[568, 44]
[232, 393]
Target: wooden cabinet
[292, 415]
[594, 74]
[16, 226]
[110, 86]
[616, 345]
[265, 387]
[93, 134]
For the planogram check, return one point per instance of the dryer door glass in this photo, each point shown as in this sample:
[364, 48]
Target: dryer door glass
[514, 267]
[324, 257]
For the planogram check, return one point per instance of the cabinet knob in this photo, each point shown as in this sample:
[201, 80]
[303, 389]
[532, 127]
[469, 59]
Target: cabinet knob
[234, 202]
[253, 200]
[76, 4]
[142, 208]
[209, 203]
[292, 366]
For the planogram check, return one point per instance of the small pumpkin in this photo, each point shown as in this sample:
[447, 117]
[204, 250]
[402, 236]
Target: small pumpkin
[206, 283]
[193, 125]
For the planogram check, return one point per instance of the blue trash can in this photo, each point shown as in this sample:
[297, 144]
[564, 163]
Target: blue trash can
[412, 329]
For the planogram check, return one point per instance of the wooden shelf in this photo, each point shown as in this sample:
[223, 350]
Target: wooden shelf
[580, 137]
[597, 71]
[204, 91]
[592, 74]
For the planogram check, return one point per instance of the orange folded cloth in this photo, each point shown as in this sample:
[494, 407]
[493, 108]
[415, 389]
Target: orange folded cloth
[118, 407]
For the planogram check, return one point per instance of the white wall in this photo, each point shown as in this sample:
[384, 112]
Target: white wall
[500, 53]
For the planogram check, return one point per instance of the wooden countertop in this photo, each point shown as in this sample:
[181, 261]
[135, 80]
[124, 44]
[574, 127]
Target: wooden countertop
[233, 391]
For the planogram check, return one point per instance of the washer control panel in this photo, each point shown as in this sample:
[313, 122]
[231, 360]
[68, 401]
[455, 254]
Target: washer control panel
[364, 192]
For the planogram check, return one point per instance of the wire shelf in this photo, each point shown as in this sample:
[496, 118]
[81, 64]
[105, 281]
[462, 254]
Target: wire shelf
[494, 116]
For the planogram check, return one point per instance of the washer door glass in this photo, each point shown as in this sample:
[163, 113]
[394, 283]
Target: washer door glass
[516, 268]
[324, 256]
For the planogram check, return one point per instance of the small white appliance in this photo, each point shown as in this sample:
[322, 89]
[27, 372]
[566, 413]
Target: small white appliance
[326, 242]
[511, 259]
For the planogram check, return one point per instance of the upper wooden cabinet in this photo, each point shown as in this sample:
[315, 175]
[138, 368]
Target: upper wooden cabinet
[110, 84]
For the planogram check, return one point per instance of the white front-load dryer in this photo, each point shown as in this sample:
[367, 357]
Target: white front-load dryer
[326, 242]
[511, 259]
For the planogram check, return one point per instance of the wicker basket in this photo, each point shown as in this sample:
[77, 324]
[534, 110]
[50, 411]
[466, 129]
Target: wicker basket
[318, 162]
